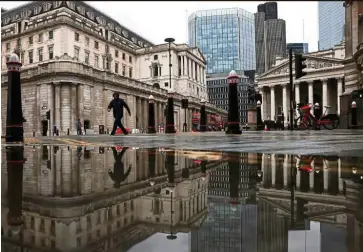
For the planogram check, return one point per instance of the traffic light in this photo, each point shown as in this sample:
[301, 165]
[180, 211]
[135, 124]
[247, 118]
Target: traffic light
[299, 66]
[48, 115]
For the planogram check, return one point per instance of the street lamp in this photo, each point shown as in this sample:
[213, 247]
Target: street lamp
[169, 40]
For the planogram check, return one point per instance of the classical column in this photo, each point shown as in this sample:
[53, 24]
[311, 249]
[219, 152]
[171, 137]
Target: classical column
[273, 169]
[51, 106]
[145, 113]
[138, 113]
[285, 101]
[65, 107]
[264, 105]
[73, 108]
[286, 167]
[297, 93]
[38, 112]
[57, 104]
[105, 105]
[325, 93]
[311, 92]
[273, 109]
[80, 90]
[339, 93]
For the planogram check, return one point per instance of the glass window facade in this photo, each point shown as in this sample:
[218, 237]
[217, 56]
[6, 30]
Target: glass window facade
[226, 37]
[297, 48]
[331, 23]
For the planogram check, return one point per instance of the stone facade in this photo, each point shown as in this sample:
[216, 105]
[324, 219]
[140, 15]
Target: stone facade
[323, 84]
[74, 58]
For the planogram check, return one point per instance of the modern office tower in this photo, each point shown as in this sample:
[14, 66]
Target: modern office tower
[297, 48]
[270, 37]
[217, 89]
[225, 37]
[331, 23]
[270, 10]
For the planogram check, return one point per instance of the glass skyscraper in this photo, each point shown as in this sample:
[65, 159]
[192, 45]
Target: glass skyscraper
[331, 23]
[226, 37]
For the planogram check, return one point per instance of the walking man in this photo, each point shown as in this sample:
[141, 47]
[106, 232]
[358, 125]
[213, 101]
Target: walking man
[118, 105]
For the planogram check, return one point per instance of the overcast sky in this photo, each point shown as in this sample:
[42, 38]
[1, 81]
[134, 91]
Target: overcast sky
[157, 20]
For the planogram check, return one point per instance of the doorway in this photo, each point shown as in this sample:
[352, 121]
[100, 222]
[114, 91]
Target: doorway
[44, 127]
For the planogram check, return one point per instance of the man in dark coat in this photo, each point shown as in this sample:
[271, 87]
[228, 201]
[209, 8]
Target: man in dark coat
[118, 175]
[118, 105]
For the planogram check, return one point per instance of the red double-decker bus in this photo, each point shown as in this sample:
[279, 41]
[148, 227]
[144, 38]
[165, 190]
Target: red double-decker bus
[214, 122]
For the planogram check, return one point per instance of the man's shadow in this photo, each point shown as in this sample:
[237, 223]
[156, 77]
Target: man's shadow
[118, 175]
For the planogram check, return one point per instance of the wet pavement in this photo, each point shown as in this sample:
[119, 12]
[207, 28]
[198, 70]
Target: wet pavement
[335, 142]
[88, 197]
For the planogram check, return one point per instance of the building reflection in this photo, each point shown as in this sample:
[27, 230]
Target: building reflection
[99, 198]
[96, 199]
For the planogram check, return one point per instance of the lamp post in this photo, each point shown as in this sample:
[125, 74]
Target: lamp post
[170, 127]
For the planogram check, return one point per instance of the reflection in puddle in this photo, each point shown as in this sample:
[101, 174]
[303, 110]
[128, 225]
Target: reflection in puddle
[98, 199]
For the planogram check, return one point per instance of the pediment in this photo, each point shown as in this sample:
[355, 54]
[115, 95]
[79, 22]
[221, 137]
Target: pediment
[198, 53]
[313, 63]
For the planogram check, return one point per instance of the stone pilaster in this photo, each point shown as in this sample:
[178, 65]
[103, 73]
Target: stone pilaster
[57, 105]
[80, 107]
[65, 108]
[131, 120]
[74, 112]
[339, 93]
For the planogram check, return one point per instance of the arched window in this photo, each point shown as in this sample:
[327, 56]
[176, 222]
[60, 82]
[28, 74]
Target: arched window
[156, 85]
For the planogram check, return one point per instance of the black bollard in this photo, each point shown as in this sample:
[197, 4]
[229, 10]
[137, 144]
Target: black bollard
[152, 166]
[151, 119]
[259, 116]
[354, 115]
[68, 131]
[15, 164]
[234, 178]
[317, 114]
[170, 127]
[233, 111]
[203, 117]
[14, 113]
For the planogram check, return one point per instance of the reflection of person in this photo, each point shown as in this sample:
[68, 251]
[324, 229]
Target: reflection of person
[118, 175]
[118, 105]
[79, 127]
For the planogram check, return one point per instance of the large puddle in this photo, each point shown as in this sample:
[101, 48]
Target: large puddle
[59, 198]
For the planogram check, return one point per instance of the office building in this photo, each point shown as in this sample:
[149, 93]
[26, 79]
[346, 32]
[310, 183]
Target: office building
[226, 38]
[331, 23]
[217, 89]
[302, 48]
[270, 37]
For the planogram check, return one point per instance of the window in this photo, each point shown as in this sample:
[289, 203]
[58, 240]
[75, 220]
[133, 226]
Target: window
[96, 60]
[116, 53]
[86, 57]
[130, 72]
[30, 56]
[31, 40]
[107, 49]
[96, 45]
[130, 59]
[166, 84]
[18, 43]
[116, 67]
[76, 36]
[50, 51]
[123, 70]
[22, 58]
[40, 54]
[155, 57]
[123, 56]
[50, 34]
[7, 58]
[7, 47]
[86, 41]
[40, 38]
[76, 52]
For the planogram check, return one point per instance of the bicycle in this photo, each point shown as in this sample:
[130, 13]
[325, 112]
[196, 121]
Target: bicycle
[308, 120]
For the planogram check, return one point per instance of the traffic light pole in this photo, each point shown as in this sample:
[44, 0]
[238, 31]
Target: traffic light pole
[292, 93]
